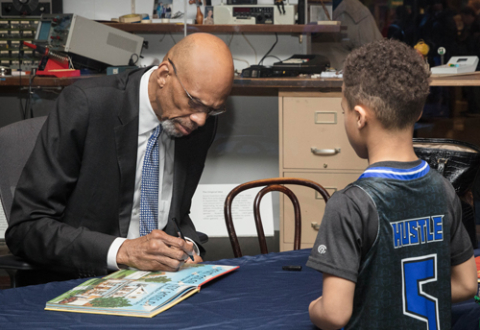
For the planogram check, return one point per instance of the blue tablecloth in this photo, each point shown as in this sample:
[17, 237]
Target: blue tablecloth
[259, 295]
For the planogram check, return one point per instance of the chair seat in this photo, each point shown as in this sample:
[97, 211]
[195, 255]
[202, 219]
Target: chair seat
[9, 261]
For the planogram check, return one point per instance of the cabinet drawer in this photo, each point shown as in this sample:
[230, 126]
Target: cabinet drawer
[314, 135]
[312, 206]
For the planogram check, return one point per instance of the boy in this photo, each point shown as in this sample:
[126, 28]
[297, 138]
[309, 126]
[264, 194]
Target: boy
[392, 248]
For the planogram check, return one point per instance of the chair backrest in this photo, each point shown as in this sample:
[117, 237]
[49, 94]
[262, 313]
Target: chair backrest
[273, 184]
[16, 144]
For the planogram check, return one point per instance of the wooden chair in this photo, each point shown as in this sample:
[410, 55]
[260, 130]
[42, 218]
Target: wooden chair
[274, 184]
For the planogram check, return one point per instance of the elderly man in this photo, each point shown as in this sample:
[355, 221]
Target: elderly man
[116, 164]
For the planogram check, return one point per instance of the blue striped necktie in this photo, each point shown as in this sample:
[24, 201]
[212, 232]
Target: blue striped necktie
[149, 186]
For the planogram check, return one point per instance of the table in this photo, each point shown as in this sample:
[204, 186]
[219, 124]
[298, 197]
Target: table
[259, 295]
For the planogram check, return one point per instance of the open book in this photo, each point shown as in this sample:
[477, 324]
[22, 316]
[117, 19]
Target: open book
[137, 293]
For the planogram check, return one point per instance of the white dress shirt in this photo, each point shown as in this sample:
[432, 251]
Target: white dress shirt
[147, 123]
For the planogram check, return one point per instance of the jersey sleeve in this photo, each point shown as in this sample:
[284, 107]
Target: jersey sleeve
[347, 231]
[460, 244]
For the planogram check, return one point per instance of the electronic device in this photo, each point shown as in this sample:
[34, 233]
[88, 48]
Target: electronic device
[53, 64]
[93, 45]
[257, 71]
[30, 8]
[457, 64]
[241, 2]
[263, 14]
[291, 67]
[301, 64]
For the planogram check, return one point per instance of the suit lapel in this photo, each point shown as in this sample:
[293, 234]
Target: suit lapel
[126, 139]
[179, 180]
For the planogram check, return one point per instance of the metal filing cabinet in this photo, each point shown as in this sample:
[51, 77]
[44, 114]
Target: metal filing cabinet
[314, 146]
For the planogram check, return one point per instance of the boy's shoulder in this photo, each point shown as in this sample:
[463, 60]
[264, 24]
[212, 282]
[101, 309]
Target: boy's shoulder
[417, 174]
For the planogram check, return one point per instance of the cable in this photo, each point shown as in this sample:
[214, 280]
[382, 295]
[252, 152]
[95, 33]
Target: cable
[274, 44]
[22, 108]
[164, 35]
[278, 58]
[230, 41]
[30, 80]
[132, 62]
[171, 35]
[241, 60]
[248, 41]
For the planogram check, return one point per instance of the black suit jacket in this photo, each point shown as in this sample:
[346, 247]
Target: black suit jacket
[75, 194]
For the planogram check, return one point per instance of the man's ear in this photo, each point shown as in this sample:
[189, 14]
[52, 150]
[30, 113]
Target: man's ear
[162, 74]
[360, 116]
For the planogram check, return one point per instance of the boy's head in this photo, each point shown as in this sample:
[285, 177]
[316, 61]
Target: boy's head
[389, 78]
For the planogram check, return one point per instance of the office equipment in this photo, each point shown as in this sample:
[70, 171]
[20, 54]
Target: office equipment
[257, 71]
[291, 67]
[4, 71]
[25, 7]
[301, 64]
[457, 64]
[119, 69]
[53, 64]
[274, 184]
[301, 8]
[88, 43]
[262, 14]
[13, 31]
[241, 2]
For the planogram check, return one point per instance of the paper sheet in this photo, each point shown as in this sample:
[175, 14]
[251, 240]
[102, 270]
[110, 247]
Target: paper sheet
[3, 221]
[207, 211]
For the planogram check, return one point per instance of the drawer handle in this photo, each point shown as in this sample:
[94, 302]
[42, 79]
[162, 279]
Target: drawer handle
[315, 225]
[325, 152]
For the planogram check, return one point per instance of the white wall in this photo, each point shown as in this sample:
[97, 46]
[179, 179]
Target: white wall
[246, 147]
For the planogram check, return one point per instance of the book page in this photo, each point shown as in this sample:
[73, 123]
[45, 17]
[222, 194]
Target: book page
[208, 217]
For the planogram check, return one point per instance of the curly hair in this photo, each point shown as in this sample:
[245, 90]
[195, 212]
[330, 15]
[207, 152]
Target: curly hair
[390, 78]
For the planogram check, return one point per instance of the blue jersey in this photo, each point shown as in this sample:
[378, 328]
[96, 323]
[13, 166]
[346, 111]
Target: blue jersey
[404, 280]
[396, 232]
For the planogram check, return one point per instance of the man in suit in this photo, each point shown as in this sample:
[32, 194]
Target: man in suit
[79, 206]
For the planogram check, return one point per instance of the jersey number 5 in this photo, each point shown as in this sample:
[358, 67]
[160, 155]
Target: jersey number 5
[416, 272]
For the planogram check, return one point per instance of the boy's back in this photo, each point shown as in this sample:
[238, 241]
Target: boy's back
[392, 247]
[402, 235]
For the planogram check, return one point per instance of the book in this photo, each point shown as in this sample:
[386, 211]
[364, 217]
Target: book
[137, 293]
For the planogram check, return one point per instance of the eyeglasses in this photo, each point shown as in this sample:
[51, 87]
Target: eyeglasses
[209, 111]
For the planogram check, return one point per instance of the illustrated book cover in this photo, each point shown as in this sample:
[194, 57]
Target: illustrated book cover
[137, 293]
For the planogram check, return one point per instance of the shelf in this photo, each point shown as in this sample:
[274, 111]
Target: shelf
[217, 28]
[246, 86]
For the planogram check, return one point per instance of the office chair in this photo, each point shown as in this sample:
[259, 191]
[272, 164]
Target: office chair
[16, 143]
[274, 184]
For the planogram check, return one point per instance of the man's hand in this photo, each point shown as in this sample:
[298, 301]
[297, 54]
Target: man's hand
[155, 251]
[197, 259]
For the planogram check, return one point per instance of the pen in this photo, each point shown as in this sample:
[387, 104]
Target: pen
[179, 233]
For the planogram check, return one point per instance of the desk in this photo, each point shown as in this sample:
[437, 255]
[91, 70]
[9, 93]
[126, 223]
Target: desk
[259, 295]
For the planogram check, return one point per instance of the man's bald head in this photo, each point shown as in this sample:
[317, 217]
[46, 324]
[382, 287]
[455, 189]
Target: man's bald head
[203, 62]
